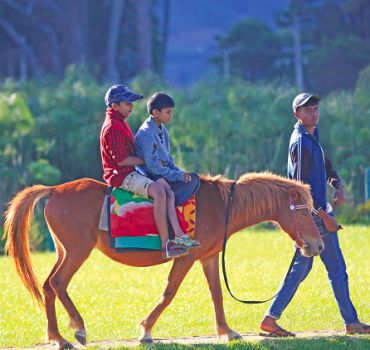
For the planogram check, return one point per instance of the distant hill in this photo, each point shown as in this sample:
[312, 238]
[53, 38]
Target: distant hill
[194, 25]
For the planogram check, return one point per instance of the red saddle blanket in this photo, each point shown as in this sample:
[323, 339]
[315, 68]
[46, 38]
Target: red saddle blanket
[132, 215]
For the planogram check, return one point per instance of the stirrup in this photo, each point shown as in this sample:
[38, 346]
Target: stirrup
[186, 241]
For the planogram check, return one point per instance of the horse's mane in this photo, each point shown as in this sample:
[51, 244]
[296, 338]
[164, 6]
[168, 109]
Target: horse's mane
[260, 191]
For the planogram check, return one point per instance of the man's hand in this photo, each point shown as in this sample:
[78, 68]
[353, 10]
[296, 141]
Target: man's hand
[187, 177]
[132, 161]
[339, 196]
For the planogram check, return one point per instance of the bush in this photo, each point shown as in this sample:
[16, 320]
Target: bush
[350, 214]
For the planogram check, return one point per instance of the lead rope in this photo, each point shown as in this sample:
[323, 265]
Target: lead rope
[228, 212]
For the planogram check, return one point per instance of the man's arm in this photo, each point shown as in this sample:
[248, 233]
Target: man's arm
[131, 161]
[332, 176]
[301, 162]
[334, 180]
[118, 148]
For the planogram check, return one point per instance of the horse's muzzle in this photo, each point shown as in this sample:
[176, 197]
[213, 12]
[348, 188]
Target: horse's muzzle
[312, 249]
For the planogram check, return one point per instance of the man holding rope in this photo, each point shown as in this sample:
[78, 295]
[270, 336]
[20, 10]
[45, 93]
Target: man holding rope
[307, 163]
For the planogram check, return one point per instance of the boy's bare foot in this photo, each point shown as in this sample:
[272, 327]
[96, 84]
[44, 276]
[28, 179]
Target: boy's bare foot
[270, 326]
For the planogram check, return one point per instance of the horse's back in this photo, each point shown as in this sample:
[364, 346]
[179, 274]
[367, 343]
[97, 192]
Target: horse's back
[74, 207]
[80, 186]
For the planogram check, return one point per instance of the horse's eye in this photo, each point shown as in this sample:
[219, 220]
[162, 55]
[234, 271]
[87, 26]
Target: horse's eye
[305, 212]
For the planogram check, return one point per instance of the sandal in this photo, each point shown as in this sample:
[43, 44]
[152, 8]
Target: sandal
[278, 333]
[358, 328]
[173, 250]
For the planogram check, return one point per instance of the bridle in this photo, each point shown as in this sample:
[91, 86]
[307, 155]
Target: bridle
[294, 208]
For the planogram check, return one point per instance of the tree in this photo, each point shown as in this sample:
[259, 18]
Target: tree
[336, 62]
[41, 38]
[298, 18]
[340, 47]
[358, 12]
[144, 38]
[112, 39]
[251, 49]
[16, 127]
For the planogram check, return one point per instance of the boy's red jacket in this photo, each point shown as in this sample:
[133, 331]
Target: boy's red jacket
[116, 144]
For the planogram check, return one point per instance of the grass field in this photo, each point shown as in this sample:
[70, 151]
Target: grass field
[113, 298]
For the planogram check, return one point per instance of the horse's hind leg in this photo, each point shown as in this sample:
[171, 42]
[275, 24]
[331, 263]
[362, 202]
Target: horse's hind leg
[49, 295]
[72, 261]
[179, 269]
[211, 271]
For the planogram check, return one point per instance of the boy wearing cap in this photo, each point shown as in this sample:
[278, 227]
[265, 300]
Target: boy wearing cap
[117, 149]
[307, 163]
[153, 144]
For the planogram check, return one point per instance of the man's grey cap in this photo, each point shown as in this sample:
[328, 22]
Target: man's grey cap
[301, 99]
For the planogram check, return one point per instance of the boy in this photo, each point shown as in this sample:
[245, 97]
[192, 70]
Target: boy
[117, 149]
[153, 144]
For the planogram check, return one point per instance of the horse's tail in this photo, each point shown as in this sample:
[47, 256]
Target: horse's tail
[17, 223]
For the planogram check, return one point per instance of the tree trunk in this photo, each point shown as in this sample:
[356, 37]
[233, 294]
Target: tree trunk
[144, 35]
[298, 65]
[166, 20]
[75, 14]
[114, 29]
[21, 42]
[30, 16]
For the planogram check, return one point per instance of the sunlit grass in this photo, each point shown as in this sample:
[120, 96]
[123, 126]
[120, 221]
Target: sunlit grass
[113, 298]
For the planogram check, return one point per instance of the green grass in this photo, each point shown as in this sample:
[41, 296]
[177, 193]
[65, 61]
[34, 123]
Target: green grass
[112, 298]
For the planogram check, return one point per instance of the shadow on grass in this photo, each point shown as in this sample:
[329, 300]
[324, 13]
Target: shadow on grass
[328, 343]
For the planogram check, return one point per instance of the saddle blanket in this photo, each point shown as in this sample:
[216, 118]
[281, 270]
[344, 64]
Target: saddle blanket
[132, 222]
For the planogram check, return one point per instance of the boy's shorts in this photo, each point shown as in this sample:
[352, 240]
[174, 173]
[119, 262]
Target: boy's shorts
[136, 183]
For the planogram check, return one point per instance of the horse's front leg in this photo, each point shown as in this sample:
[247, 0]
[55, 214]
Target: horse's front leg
[211, 270]
[179, 269]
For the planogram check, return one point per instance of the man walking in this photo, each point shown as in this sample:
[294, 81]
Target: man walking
[307, 163]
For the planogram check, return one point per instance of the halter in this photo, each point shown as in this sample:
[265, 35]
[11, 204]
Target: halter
[294, 207]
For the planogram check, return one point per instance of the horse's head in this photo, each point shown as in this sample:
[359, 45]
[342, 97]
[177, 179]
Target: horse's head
[295, 218]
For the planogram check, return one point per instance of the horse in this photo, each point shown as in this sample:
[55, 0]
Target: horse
[257, 197]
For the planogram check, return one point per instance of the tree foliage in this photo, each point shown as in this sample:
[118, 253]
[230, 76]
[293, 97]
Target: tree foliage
[110, 38]
[50, 133]
[320, 46]
[252, 50]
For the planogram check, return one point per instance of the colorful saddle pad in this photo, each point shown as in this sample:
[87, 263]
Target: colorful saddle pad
[132, 224]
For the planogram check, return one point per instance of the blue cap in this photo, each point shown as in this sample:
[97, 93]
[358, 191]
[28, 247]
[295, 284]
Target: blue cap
[120, 93]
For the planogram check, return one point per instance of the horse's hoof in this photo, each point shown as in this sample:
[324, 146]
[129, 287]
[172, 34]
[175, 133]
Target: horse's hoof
[66, 345]
[234, 336]
[146, 339]
[80, 335]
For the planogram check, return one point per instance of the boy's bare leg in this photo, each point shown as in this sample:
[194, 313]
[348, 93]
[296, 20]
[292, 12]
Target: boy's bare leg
[171, 211]
[158, 194]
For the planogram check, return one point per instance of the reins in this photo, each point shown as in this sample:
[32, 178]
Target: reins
[228, 213]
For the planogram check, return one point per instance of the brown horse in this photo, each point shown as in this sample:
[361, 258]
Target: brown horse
[73, 211]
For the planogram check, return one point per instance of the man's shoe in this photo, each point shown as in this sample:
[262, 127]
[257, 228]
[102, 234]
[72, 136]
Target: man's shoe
[357, 328]
[173, 250]
[187, 242]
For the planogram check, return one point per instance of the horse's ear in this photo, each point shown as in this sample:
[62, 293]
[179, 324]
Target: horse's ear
[293, 194]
